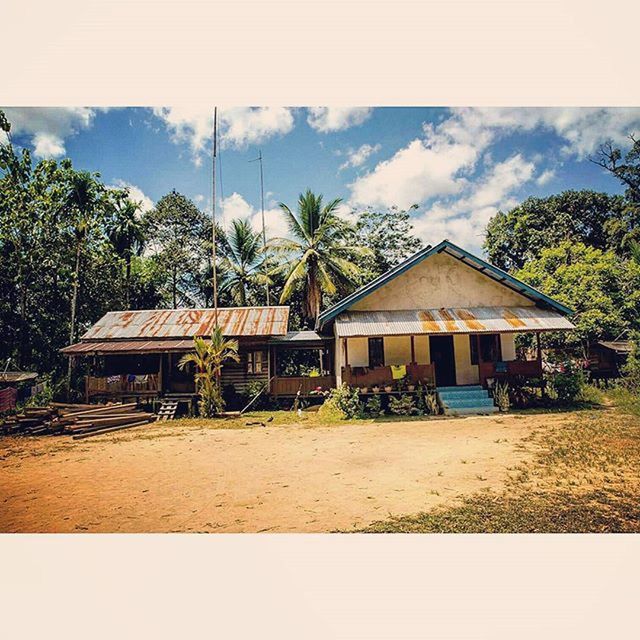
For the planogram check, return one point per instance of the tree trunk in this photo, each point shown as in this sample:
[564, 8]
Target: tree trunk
[74, 305]
[127, 281]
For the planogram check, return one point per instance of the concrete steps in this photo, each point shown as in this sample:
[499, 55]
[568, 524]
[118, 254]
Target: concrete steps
[468, 400]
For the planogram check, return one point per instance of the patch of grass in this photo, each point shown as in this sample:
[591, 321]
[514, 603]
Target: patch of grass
[555, 512]
[627, 402]
[583, 477]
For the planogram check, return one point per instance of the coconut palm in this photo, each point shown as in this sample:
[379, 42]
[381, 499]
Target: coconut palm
[321, 261]
[208, 358]
[241, 249]
[127, 234]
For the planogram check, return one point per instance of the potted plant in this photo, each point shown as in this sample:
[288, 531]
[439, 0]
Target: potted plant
[364, 389]
[375, 388]
[411, 387]
[388, 388]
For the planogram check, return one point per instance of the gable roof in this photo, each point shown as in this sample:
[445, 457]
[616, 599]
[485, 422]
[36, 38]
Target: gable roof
[457, 252]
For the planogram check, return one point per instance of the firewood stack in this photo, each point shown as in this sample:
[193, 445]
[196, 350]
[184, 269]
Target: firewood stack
[78, 420]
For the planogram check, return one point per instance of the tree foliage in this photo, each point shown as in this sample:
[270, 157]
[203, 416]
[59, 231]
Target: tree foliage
[598, 220]
[600, 286]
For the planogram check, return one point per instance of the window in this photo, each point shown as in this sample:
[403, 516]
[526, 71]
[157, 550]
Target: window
[376, 352]
[485, 348]
[256, 362]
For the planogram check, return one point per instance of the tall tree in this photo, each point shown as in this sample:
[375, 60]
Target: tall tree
[175, 231]
[389, 235]
[127, 234]
[321, 261]
[521, 234]
[241, 264]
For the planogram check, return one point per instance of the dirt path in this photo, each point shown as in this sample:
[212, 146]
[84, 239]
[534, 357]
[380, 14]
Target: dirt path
[273, 479]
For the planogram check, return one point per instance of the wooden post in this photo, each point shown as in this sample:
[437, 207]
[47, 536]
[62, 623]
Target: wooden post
[86, 389]
[413, 350]
[321, 363]
[160, 374]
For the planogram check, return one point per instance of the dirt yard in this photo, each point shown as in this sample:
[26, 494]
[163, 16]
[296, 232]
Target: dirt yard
[296, 478]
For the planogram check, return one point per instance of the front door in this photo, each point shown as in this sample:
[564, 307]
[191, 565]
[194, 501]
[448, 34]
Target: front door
[443, 359]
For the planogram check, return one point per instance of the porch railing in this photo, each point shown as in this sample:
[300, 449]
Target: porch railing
[380, 376]
[290, 385]
[122, 384]
[508, 369]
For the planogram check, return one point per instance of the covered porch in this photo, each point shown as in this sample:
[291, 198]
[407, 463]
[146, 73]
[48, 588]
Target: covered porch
[443, 347]
[301, 362]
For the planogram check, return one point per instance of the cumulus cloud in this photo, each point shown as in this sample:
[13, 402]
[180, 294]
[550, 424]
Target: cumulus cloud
[236, 207]
[135, 194]
[49, 127]
[450, 172]
[357, 157]
[326, 119]
[464, 220]
[239, 126]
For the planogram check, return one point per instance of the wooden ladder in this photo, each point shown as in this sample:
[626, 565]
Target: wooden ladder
[167, 410]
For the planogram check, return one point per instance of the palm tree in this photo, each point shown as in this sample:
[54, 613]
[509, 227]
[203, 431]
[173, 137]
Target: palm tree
[208, 358]
[241, 249]
[127, 234]
[320, 259]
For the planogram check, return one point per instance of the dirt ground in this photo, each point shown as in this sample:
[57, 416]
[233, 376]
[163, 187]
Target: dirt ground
[179, 478]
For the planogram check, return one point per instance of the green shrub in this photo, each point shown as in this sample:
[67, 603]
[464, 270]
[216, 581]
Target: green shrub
[373, 407]
[403, 406]
[342, 403]
[567, 386]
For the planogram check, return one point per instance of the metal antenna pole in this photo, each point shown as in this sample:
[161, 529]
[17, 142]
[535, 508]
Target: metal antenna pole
[264, 232]
[213, 218]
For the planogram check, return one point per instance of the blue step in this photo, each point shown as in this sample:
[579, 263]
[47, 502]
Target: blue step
[468, 400]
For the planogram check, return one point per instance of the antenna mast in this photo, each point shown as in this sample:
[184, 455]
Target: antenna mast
[213, 218]
[264, 232]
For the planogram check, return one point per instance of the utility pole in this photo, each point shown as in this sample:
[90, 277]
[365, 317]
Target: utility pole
[264, 232]
[213, 218]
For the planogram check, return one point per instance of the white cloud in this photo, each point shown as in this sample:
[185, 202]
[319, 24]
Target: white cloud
[357, 157]
[235, 206]
[135, 194]
[239, 126]
[326, 119]
[49, 126]
[463, 221]
[546, 176]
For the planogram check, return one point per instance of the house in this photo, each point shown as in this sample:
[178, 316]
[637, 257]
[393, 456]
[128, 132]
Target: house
[443, 317]
[606, 358]
[135, 354]
[446, 316]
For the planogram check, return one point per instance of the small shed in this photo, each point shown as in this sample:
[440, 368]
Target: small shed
[607, 357]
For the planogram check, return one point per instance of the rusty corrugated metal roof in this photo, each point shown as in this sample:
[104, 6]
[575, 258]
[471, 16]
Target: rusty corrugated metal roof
[459, 320]
[128, 346]
[17, 376]
[187, 323]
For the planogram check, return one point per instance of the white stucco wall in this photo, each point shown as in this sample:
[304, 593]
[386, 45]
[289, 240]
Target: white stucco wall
[508, 346]
[397, 350]
[441, 281]
[466, 373]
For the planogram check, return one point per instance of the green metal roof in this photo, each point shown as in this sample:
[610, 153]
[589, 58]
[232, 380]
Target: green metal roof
[457, 252]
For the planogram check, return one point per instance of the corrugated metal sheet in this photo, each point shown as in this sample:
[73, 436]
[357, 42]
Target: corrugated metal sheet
[128, 346]
[469, 320]
[17, 376]
[295, 337]
[186, 323]
[619, 346]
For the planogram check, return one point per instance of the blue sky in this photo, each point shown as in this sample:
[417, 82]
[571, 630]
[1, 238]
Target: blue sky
[459, 165]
